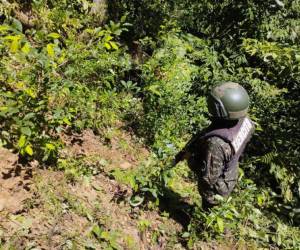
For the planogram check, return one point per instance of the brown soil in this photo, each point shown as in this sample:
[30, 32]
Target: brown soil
[15, 182]
[121, 151]
[42, 209]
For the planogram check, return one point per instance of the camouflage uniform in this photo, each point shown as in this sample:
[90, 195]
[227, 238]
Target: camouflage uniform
[208, 164]
[214, 153]
[214, 160]
[207, 159]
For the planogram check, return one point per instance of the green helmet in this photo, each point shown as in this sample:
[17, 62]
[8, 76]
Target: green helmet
[228, 101]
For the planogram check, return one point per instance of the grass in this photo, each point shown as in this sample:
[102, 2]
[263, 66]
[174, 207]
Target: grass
[85, 204]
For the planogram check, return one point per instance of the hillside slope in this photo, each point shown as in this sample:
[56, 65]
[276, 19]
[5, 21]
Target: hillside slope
[137, 74]
[48, 209]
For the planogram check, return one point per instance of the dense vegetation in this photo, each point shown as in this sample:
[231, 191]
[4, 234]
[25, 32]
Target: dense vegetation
[66, 66]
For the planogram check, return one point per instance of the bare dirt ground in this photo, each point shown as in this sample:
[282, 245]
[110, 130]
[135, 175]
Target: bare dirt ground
[53, 208]
[14, 182]
[42, 209]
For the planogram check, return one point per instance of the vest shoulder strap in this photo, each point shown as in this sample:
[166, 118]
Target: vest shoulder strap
[236, 136]
[244, 132]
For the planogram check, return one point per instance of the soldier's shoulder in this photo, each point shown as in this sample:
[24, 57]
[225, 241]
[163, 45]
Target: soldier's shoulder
[216, 143]
[216, 140]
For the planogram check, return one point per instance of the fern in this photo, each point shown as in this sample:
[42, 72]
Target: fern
[268, 158]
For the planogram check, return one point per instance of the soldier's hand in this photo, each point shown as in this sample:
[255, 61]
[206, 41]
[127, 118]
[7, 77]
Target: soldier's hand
[181, 156]
[186, 156]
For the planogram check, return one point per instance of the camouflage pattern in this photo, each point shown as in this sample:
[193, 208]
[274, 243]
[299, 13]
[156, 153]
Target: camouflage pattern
[208, 159]
[213, 154]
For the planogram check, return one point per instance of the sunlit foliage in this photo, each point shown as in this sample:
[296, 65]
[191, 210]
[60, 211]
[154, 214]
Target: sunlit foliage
[149, 64]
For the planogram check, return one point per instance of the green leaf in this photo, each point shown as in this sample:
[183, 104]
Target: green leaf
[136, 200]
[260, 200]
[185, 235]
[50, 146]
[26, 48]
[97, 231]
[26, 131]
[54, 35]
[50, 49]
[123, 18]
[85, 4]
[107, 45]
[17, 25]
[108, 38]
[4, 28]
[154, 89]
[219, 197]
[101, 33]
[14, 46]
[105, 235]
[30, 92]
[220, 224]
[3, 108]
[28, 150]
[114, 45]
[66, 121]
[22, 141]
[133, 183]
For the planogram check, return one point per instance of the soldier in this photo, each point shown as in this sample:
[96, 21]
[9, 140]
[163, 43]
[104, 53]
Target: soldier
[213, 154]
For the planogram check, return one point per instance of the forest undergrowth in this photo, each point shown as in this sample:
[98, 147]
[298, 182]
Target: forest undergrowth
[96, 100]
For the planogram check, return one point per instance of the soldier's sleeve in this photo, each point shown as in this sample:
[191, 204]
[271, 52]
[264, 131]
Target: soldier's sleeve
[218, 152]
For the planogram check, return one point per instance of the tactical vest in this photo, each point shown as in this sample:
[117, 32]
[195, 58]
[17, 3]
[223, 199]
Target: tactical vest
[237, 136]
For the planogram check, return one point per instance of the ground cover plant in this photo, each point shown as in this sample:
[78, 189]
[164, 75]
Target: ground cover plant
[145, 67]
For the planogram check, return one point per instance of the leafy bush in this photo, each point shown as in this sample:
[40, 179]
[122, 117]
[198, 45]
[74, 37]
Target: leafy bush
[170, 109]
[249, 42]
[62, 69]
[55, 81]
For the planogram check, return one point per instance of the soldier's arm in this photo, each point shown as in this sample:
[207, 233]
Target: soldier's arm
[218, 152]
[185, 153]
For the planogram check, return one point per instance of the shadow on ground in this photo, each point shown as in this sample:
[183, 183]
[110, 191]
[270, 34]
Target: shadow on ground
[178, 209]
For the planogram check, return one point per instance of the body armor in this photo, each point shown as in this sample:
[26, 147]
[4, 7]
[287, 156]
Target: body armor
[237, 136]
[232, 137]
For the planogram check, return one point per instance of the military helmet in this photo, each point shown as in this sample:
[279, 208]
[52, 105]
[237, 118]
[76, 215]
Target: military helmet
[228, 101]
